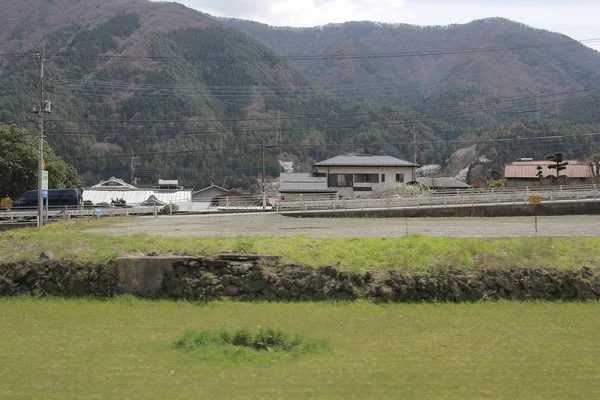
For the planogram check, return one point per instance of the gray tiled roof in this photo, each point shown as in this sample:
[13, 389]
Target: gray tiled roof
[301, 183]
[366, 161]
[443, 182]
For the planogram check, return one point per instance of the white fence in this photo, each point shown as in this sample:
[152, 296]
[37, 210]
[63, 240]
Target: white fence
[201, 205]
[458, 197]
[468, 197]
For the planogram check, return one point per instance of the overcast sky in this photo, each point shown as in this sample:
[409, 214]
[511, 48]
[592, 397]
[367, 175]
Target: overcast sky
[575, 18]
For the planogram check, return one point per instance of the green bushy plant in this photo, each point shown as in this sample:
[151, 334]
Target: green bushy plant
[245, 345]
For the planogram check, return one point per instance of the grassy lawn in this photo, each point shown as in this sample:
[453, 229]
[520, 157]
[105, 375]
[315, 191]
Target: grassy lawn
[122, 348]
[69, 240]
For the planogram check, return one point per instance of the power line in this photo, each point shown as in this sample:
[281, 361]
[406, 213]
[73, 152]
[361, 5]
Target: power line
[316, 56]
[319, 116]
[315, 145]
[335, 56]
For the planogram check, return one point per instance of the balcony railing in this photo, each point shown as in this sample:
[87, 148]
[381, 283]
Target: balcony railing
[343, 184]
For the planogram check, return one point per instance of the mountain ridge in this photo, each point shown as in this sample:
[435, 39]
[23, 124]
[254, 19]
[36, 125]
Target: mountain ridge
[192, 97]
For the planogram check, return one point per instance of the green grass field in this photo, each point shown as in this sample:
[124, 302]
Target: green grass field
[122, 349]
[70, 240]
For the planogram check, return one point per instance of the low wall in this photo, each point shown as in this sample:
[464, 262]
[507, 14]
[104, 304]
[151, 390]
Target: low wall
[256, 278]
[500, 210]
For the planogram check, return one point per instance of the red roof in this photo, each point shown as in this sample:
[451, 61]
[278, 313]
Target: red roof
[542, 162]
[529, 171]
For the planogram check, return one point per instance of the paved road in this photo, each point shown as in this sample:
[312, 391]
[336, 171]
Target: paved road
[260, 224]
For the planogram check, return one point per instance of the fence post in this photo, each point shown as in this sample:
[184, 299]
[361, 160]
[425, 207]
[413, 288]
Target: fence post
[445, 203]
[227, 203]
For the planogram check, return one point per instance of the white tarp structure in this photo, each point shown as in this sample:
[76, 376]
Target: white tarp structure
[114, 189]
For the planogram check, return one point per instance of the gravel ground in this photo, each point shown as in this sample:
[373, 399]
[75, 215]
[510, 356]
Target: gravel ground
[277, 225]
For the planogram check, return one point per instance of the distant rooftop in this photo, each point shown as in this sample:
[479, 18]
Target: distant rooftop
[303, 183]
[365, 160]
[528, 170]
[443, 182]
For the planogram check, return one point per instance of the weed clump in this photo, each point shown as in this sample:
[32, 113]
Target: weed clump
[244, 345]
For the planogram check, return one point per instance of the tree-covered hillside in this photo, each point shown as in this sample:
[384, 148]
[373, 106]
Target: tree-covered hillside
[438, 66]
[135, 95]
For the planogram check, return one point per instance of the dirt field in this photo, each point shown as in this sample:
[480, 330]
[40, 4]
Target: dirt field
[278, 225]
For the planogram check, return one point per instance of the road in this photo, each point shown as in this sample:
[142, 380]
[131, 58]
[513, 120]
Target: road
[259, 224]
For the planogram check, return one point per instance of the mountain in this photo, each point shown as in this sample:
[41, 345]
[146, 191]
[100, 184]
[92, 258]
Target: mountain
[130, 92]
[437, 65]
[160, 90]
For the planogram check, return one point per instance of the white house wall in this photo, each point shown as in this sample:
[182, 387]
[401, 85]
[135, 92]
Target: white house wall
[390, 178]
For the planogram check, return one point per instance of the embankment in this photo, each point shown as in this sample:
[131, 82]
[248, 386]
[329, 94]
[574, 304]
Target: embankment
[465, 210]
[264, 278]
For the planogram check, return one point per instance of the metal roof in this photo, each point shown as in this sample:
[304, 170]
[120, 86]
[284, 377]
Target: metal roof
[365, 160]
[443, 182]
[530, 171]
[113, 183]
[223, 190]
[303, 183]
[134, 197]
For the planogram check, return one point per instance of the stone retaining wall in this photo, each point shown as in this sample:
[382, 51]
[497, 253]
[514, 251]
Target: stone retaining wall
[248, 278]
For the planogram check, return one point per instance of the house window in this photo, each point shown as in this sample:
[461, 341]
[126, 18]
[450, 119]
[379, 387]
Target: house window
[382, 178]
[366, 178]
[400, 178]
[339, 180]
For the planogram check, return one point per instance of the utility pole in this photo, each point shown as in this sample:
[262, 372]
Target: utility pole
[41, 109]
[133, 164]
[414, 143]
[262, 158]
[262, 161]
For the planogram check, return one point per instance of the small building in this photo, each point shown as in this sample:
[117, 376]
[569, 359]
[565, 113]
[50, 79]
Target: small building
[363, 174]
[524, 173]
[295, 186]
[441, 183]
[114, 189]
[170, 184]
[236, 199]
[208, 194]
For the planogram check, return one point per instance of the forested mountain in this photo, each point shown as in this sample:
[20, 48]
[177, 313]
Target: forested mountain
[169, 92]
[436, 65]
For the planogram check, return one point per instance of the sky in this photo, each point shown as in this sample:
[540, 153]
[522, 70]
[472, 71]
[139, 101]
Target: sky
[575, 18]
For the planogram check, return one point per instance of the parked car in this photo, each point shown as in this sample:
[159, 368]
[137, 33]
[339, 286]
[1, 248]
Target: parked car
[57, 198]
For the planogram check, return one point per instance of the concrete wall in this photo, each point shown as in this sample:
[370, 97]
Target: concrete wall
[503, 210]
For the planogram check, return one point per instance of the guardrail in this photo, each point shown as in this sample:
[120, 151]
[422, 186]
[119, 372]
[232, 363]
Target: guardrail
[321, 203]
[444, 199]
[202, 205]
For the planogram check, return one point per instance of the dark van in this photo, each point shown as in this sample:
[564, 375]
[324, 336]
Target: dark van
[57, 198]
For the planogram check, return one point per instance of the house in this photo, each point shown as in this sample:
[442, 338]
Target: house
[113, 189]
[237, 199]
[294, 186]
[525, 173]
[363, 174]
[208, 194]
[442, 183]
[172, 184]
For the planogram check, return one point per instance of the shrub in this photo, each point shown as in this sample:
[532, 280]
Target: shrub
[169, 209]
[245, 345]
